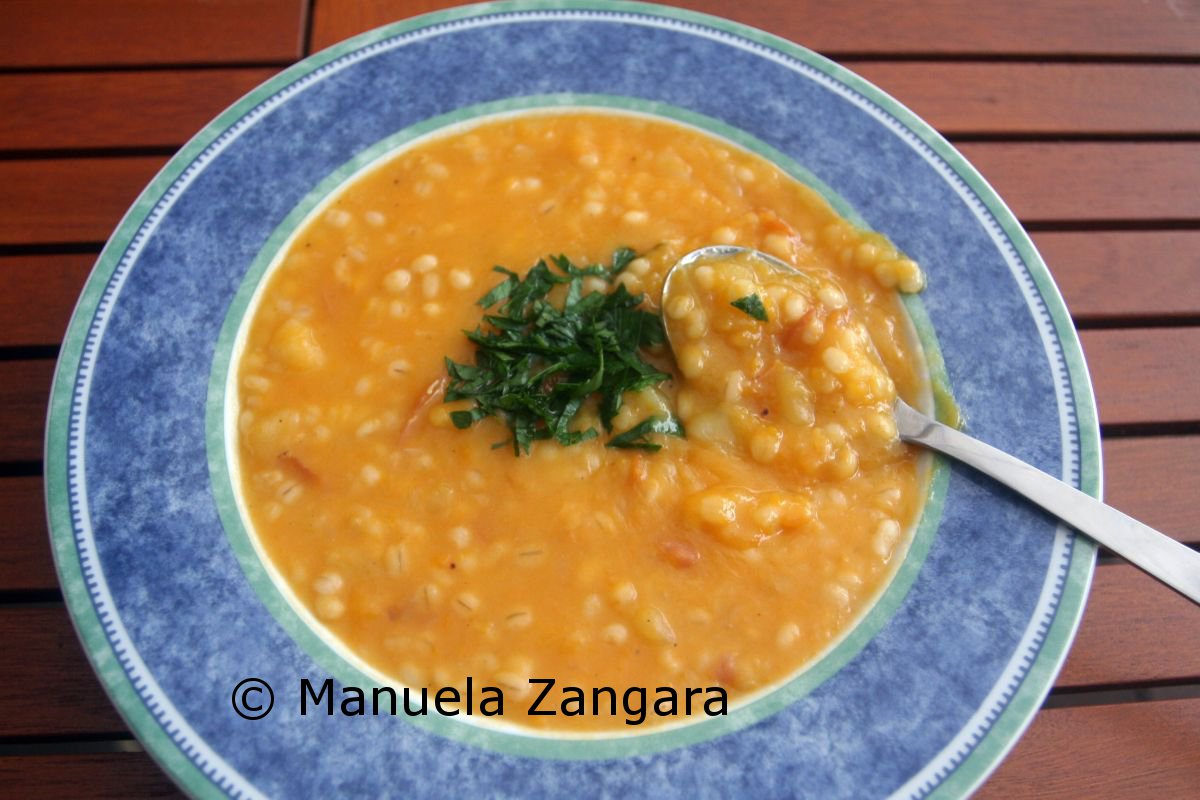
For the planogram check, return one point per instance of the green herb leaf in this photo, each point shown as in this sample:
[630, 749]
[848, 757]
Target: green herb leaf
[751, 304]
[462, 419]
[537, 364]
[635, 437]
[502, 290]
[620, 260]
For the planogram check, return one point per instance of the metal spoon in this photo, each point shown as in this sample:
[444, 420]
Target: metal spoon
[1173, 563]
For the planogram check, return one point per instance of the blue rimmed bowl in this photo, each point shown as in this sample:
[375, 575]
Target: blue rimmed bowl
[175, 609]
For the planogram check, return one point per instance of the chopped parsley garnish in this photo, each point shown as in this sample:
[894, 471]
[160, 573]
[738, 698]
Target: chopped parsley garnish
[537, 363]
[635, 437]
[751, 304]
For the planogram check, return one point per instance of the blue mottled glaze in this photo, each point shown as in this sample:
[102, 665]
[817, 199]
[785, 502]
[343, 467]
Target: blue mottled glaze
[199, 626]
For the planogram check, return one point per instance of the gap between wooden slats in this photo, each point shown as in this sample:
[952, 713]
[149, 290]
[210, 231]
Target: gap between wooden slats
[163, 108]
[1065, 27]
[81, 199]
[72, 33]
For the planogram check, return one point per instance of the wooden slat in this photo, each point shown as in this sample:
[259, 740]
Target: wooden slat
[1146, 375]
[84, 32]
[52, 665]
[82, 199]
[70, 199]
[1093, 181]
[1119, 751]
[1008, 98]
[39, 294]
[1154, 480]
[164, 108]
[1105, 275]
[24, 391]
[98, 776]
[25, 560]
[1066, 27]
[1134, 631]
[116, 109]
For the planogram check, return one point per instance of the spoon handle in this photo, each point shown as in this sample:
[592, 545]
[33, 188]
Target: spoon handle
[1171, 562]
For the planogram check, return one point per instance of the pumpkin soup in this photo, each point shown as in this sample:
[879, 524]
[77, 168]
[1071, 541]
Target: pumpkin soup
[604, 512]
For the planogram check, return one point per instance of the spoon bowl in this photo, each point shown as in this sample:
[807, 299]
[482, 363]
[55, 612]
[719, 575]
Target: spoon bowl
[712, 253]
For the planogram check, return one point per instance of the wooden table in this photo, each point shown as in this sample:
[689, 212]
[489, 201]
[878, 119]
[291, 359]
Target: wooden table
[1084, 114]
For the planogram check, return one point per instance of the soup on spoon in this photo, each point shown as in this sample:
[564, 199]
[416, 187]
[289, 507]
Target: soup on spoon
[778, 368]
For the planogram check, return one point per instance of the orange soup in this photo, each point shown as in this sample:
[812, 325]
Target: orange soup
[730, 555]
